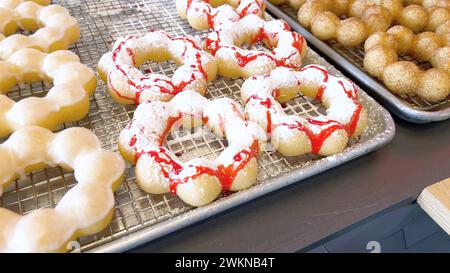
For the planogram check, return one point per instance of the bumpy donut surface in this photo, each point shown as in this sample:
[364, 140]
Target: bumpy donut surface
[53, 27]
[404, 77]
[85, 209]
[198, 181]
[201, 14]
[67, 100]
[288, 47]
[294, 135]
[127, 84]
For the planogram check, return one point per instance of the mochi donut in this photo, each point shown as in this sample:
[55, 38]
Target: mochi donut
[201, 14]
[288, 47]
[68, 100]
[403, 77]
[294, 135]
[198, 181]
[53, 27]
[85, 209]
[128, 85]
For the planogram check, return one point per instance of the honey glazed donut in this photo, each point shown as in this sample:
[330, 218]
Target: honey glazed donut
[293, 135]
[53, 27]
[127, 84]
[85, 209]
[198, 181]
[405, 77]
[288, 47]
[202, 15]
[67, 100]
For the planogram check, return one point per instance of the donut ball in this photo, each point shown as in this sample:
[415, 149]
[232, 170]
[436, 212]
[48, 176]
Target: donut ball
[377, 19]
[441, 59]
[296, 4]
[324, 25]
[378, 58]
[404, 37]
[402, 77]
[382, 38]
[351, 32]
[435, 3]
[340, 7]
[434, 85]
[438, 16]
[443, 28]
[357, 8]
[414, 17]
[394, 7]
[309, 10]
[425, 44]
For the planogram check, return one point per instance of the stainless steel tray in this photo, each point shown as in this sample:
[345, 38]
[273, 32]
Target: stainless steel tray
[410, 108]
[140, 217]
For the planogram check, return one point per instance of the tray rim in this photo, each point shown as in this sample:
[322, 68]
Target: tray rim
[388, 99]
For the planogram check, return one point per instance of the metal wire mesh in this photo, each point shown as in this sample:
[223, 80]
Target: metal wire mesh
[102, 22]
[356, 57]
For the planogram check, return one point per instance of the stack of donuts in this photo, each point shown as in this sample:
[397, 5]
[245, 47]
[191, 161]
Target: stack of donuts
[87, 207]
[421, 30]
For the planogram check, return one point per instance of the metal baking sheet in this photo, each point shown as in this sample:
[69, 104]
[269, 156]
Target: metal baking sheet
[140, 217]
[410, 108]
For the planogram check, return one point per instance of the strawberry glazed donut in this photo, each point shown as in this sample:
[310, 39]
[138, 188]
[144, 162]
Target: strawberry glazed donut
[198, 181]
[294, 135]
[202, 15]
[288, 47]
[127, 84]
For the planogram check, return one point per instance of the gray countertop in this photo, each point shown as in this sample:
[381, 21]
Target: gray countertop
[304, 213]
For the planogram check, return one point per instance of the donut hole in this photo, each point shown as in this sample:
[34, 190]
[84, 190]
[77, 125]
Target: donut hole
[33, 89]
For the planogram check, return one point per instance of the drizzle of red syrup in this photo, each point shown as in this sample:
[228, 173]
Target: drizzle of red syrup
[316, 140]
[351, 126]
[325, 73]
[164, 160]
[320, 92]
[170, 122]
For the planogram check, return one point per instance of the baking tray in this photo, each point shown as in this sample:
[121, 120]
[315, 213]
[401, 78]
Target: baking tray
[140, 217]
[408, 107]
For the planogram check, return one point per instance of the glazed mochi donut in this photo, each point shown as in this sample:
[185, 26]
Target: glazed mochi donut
[198, 181]
[127, 84]
[68, 100]
[202, 16]
[85, 209]
[53, 27]
[403, 77]
[289, 47]
[294, 135]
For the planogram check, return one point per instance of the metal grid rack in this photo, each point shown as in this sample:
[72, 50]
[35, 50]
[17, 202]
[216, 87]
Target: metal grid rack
[356, 57]
[102, 22]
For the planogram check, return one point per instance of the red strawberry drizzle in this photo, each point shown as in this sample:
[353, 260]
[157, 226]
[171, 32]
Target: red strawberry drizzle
[353, 95]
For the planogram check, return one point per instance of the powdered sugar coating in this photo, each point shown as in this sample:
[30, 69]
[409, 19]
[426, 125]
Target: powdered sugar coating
[144, 136]
[339, 95]
[127, 84]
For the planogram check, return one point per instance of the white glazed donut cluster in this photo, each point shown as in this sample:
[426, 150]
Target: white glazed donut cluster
[198, 181]
[54, 28]
[201, 15]
[85, 209]
[127, 84]
[294, 135]
[288, 47]
[68, 100]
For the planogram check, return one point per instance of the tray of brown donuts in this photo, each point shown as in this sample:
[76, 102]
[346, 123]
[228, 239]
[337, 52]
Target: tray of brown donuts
[122, 121]
[399, 50]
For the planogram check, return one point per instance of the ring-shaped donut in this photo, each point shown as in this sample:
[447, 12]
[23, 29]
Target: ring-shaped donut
[53, 27]
[202, 15]
[294, 135]
[85, 209]
[198, 181]
[127, 84]
[288, 47]
[68, 100]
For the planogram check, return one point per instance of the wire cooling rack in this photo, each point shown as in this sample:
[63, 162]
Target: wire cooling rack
[426, 111]
[136, 212]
